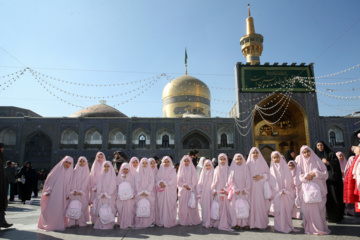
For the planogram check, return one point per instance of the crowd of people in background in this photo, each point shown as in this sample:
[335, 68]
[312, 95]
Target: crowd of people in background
[233, 193]
[23, 183]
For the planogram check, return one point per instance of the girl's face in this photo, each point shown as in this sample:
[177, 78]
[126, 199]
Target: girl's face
[207, 166]
[255, 154]
[292, 154]
[125, 171]
[67, 164]
[106, 167]
[82, 162]
[144, 164]
[306, 152]
[239, 160]
[135, 163]
[186, 162]
[276, 158]
[153, 164]
[291, 166]
[100, 158]
[166, 163]
[341, 158]
[222, 160]
[320, 146]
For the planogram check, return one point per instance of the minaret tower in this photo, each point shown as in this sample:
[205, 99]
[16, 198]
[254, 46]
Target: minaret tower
[251, 43]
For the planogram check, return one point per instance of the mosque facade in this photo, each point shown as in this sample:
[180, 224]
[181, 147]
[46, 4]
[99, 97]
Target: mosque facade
[274, 111]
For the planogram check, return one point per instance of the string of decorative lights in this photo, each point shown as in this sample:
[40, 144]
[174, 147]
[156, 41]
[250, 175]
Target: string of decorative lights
[273, 113]
[332, 96]
[338, 83]
[9, 82]
[91, 97]
[249, 128]
[14, 73]
[323, 86]
[132, 98]
[99, 85]
[338, 73]
[338, 109]
[53, 94]
[288, 93]
[223, 101]
[339, 90]
[256, 108]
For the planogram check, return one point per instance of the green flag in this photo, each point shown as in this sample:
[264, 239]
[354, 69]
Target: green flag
[185, 56]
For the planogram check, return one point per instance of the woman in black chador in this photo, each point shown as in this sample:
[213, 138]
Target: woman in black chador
[334, 204]
[26, 189]
[289, 155]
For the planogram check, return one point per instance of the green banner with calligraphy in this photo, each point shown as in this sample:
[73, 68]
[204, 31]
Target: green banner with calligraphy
[273, 78]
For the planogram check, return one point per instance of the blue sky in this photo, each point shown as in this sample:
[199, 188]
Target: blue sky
[114, 42]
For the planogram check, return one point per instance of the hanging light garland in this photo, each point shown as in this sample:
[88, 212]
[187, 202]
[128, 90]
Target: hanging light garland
[338, 73]
[5, 85]
[337, 109]
[132, 98]
[20, 72]
[330, 95]
[52, 93]
[99, 85]
[91, 97]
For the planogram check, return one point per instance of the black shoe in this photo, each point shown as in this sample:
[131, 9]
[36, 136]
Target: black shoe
[6, 225]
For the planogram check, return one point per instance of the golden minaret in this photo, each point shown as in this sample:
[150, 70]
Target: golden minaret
[251, 43]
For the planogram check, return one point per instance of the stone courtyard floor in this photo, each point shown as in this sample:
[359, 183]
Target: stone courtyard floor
[25, 219]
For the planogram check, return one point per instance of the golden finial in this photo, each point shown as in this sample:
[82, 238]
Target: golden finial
[249, 9]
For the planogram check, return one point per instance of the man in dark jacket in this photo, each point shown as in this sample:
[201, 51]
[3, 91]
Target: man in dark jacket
[3, 193]
[10, 179]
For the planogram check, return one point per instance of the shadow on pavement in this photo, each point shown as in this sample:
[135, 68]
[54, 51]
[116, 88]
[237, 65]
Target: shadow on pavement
[13, 233]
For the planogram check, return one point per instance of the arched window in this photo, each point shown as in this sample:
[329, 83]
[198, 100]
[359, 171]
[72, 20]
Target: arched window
[142, 141]
[224, 140]
[92, 136]
[332, 138]
[119, 136]
[96, 137]
[165, 141]
[69, 136]
[8, 136]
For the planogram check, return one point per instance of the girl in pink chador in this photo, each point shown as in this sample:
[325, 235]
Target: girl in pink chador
[259, 173]
[311, 168]
[94, 179]
[79, 190]
[166, 195]
[204, 192]
[186, 183]
[343, 162]
[134, 165]
[219, 188]
[144, 184]
[125, 208]
[105, 194]
[282, 186]
[239, 181]
[153, 165]
[296, 209]
[55, 196]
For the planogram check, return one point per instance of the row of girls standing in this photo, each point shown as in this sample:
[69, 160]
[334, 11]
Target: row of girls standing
[155, 190]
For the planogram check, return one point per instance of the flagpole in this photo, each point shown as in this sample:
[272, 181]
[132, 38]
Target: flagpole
[185, 62]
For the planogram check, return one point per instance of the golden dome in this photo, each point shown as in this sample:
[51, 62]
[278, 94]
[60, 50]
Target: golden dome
[186, 94]
[186, 85]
